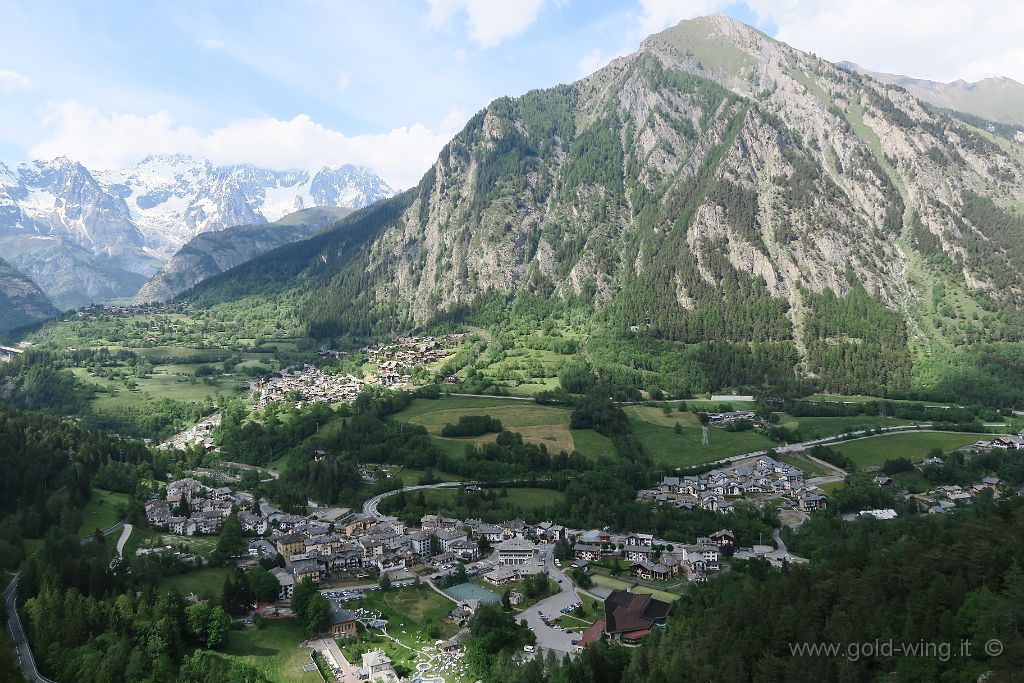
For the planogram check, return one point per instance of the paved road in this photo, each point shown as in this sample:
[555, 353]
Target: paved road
[370, 506]
[548, 637]
[508, 398]
[804, 445]
[17, 635]
[125, 533]
[106, 532]
[273, 474]
[335, 659]
[779, 543]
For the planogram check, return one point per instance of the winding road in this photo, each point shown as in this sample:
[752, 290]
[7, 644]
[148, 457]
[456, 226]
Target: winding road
[370, 507]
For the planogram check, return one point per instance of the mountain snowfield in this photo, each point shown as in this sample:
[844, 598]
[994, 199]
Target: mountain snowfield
[174, 198]
[87, 236]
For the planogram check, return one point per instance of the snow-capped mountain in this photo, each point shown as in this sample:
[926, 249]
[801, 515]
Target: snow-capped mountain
[174, 198]
[95, 236]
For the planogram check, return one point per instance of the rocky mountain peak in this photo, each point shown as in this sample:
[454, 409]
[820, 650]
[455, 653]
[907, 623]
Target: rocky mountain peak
[128, 222]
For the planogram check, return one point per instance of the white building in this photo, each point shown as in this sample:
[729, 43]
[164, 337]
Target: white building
[516, 551]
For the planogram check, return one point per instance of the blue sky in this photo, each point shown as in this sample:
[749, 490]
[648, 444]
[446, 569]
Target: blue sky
[384, 84]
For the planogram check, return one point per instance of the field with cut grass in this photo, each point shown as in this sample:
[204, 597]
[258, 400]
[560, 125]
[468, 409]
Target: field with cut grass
[208, 581]
[275, 650]
[875, 450]
[548, 425]
[656, 432]
[529, 501]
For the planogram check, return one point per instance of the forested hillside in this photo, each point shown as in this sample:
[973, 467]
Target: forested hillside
[716, 186]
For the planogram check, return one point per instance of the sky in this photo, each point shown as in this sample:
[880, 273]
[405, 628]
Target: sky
[385, 84]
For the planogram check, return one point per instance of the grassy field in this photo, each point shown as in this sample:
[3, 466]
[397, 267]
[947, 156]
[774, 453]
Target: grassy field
[590, 443]
[809, 467]
[817, 427]
[161, 383]
[914, 481]
[708, 405]
[528, 500]
[200, 581]
[875, 450]
[410, 606]
[831, 486]
[410, 476]
[548, 425]
[618, 584]
[655, 431]
[101, 511]
[148, 538]
[274, 649]
[592, 611]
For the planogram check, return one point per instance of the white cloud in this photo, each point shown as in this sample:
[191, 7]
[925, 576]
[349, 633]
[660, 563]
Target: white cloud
[489, 21]
[11, 80]
[658, 15]
[343, 80]
[936, 39]
[101, 140]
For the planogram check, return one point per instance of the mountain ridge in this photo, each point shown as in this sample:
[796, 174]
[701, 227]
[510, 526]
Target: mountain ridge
[97, 236]
[211, 253]
[21, 301]
[998, 98]
[716, 185]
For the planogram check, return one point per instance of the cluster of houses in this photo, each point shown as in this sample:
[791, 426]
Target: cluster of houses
[944, 498]
[762, 479]
[731, 416]
[406, 353]
[948, 497]
[1000, 442]
[190, 507]
[395, 362]
[653, 561]
[309, 384]
[201, 434]
[335, 539]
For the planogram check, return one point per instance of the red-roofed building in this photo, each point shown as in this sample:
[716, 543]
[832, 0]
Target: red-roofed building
[591, 635]
[629, 617]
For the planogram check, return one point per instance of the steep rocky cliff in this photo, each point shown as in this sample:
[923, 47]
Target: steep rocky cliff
[21, 301]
